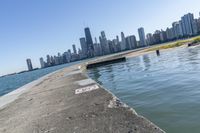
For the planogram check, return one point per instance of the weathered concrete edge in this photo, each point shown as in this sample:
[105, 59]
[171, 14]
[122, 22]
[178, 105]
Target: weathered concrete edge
[116, 100]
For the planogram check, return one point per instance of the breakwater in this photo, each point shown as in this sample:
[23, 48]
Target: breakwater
[69, 101]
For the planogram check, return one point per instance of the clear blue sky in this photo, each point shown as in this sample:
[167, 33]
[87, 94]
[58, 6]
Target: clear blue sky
[34, 28]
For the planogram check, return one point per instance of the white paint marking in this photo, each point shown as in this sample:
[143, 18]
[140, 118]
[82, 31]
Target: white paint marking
[85, 82]
[86, 89]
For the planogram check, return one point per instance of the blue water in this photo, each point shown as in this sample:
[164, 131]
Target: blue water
[12, 82]
[165, 89]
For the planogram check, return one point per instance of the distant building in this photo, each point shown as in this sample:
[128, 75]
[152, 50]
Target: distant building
[89, 42]
[118, 44]
[123, 42]
[150, 39]
[187, 24]
[74, 48]
[163, 36]
[142, 37]
[170, 34]
[131, 42]
[195, 26]
[104, 43]
[84, 47]
[67, 57]
[157, 37]
[29, 64]
[42, 63]
[177, 29]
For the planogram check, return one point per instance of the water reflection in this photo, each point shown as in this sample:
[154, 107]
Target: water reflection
[146, 62]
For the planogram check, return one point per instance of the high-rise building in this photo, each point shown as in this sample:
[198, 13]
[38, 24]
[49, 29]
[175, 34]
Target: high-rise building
[29, 64]
[74, 48]
[187, 24]
[177, 29]
[170, 34]
[118, 44]
[157, 37]
[198, 25]
[195, 26]
[67, 57]
[123, 42]
[89, 42]
[150, 39]
[142, 37]
[128, 43]
[131, 42]
[84, 47]
[111, 46]
[104, 43]
[163, 36]
[42, 63]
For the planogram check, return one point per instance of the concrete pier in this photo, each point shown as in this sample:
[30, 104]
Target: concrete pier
[68, 101]
[105, 62]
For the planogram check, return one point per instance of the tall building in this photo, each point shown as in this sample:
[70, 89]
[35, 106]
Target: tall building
[104, 43]
[157, 37]
[84, 47]
[42, 63]
[74, 48]
[123, 42]
[170, 34]
[177, 29]
[163, 36]
[195, 26]
[89, 42]
[142, 37]
[187, 24]
[29, 64]
[118, 44]
[150, 39]
[131, 42]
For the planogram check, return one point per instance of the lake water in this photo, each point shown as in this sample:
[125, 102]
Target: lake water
[10, 83]
[165, 89]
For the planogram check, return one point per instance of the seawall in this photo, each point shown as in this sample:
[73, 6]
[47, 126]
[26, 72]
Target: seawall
[68, 101]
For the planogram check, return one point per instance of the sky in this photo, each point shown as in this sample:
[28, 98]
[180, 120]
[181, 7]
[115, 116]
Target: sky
[35, 28]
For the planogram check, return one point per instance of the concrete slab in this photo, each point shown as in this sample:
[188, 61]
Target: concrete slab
[85, 82]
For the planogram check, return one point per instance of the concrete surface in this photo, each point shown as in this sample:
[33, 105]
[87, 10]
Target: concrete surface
[68, 101]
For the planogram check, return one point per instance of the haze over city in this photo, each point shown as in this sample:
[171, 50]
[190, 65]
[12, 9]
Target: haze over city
[35, 29]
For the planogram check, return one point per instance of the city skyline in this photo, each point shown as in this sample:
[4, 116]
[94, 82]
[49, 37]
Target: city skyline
[23, 45]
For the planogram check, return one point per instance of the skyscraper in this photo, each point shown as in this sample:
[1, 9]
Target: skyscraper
[89, 42]
[187, 24]
[150, 39]
[29, 64]
[74, 48]
[84, 47]
[142, 37]
[123, 42]
[42, 63]
[104, 43]
[177, 29]
[131, 42]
